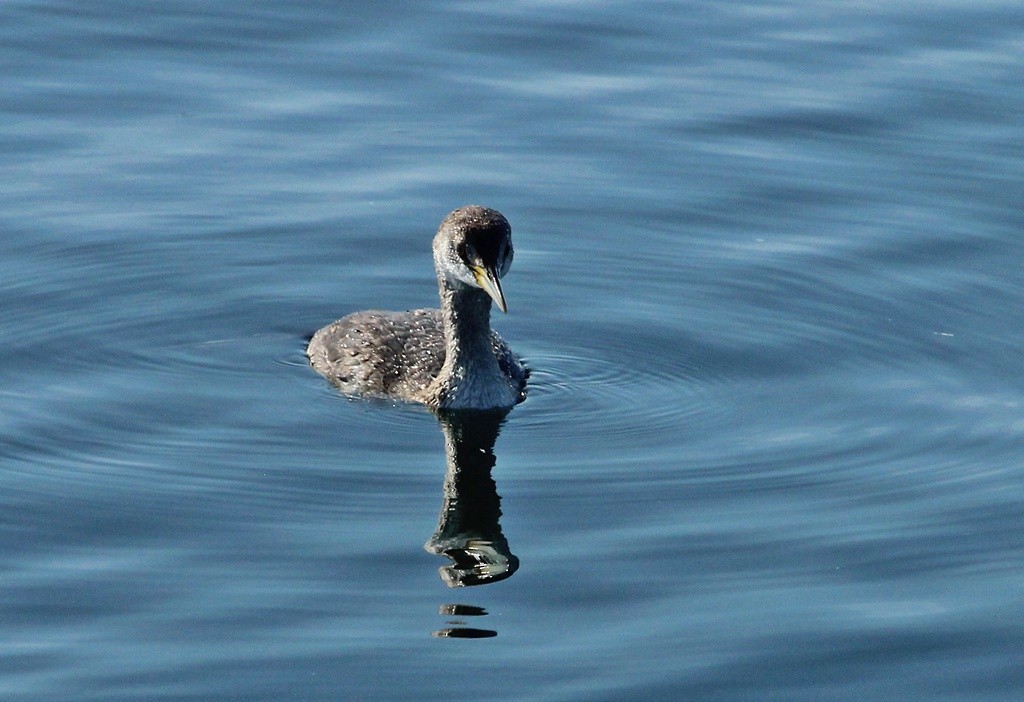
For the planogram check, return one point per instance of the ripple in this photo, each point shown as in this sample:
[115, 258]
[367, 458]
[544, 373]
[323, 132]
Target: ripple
[622, 390]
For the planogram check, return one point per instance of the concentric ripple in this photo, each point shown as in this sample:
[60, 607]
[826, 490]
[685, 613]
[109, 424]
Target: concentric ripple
[621, 390]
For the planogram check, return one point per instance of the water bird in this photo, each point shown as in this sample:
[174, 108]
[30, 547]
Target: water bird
[447, 358]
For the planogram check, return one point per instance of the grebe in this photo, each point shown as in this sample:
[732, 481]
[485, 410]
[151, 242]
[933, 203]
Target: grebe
[447, 358]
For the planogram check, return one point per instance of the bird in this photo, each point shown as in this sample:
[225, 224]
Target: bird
[447, 358]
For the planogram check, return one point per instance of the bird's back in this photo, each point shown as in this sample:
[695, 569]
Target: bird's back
[382, 354]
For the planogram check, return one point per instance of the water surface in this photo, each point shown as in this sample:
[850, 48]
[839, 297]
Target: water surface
[767, 277]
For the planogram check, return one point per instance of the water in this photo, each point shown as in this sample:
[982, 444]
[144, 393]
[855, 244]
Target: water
[767, 276]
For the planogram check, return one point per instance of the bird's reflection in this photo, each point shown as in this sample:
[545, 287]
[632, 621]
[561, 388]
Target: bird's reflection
[468, 531]
[458, 628]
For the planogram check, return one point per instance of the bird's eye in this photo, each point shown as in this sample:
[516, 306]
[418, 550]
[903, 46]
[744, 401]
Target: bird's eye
[462, 252]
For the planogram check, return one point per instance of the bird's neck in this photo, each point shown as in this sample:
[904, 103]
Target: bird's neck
[466, 318]
[470, 377]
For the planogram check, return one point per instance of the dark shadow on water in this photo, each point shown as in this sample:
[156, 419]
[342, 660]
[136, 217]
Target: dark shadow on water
[464, 633]
[468, 530]
[458, 630]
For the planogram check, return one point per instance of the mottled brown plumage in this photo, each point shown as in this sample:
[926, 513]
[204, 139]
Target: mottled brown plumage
[447, 358]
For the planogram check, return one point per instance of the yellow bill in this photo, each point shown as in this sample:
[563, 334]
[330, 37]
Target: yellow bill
[487, 279]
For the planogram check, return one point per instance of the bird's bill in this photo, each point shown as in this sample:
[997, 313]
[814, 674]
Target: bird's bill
[487, 279]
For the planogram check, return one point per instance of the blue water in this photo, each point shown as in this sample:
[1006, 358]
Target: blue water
[767, 276]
